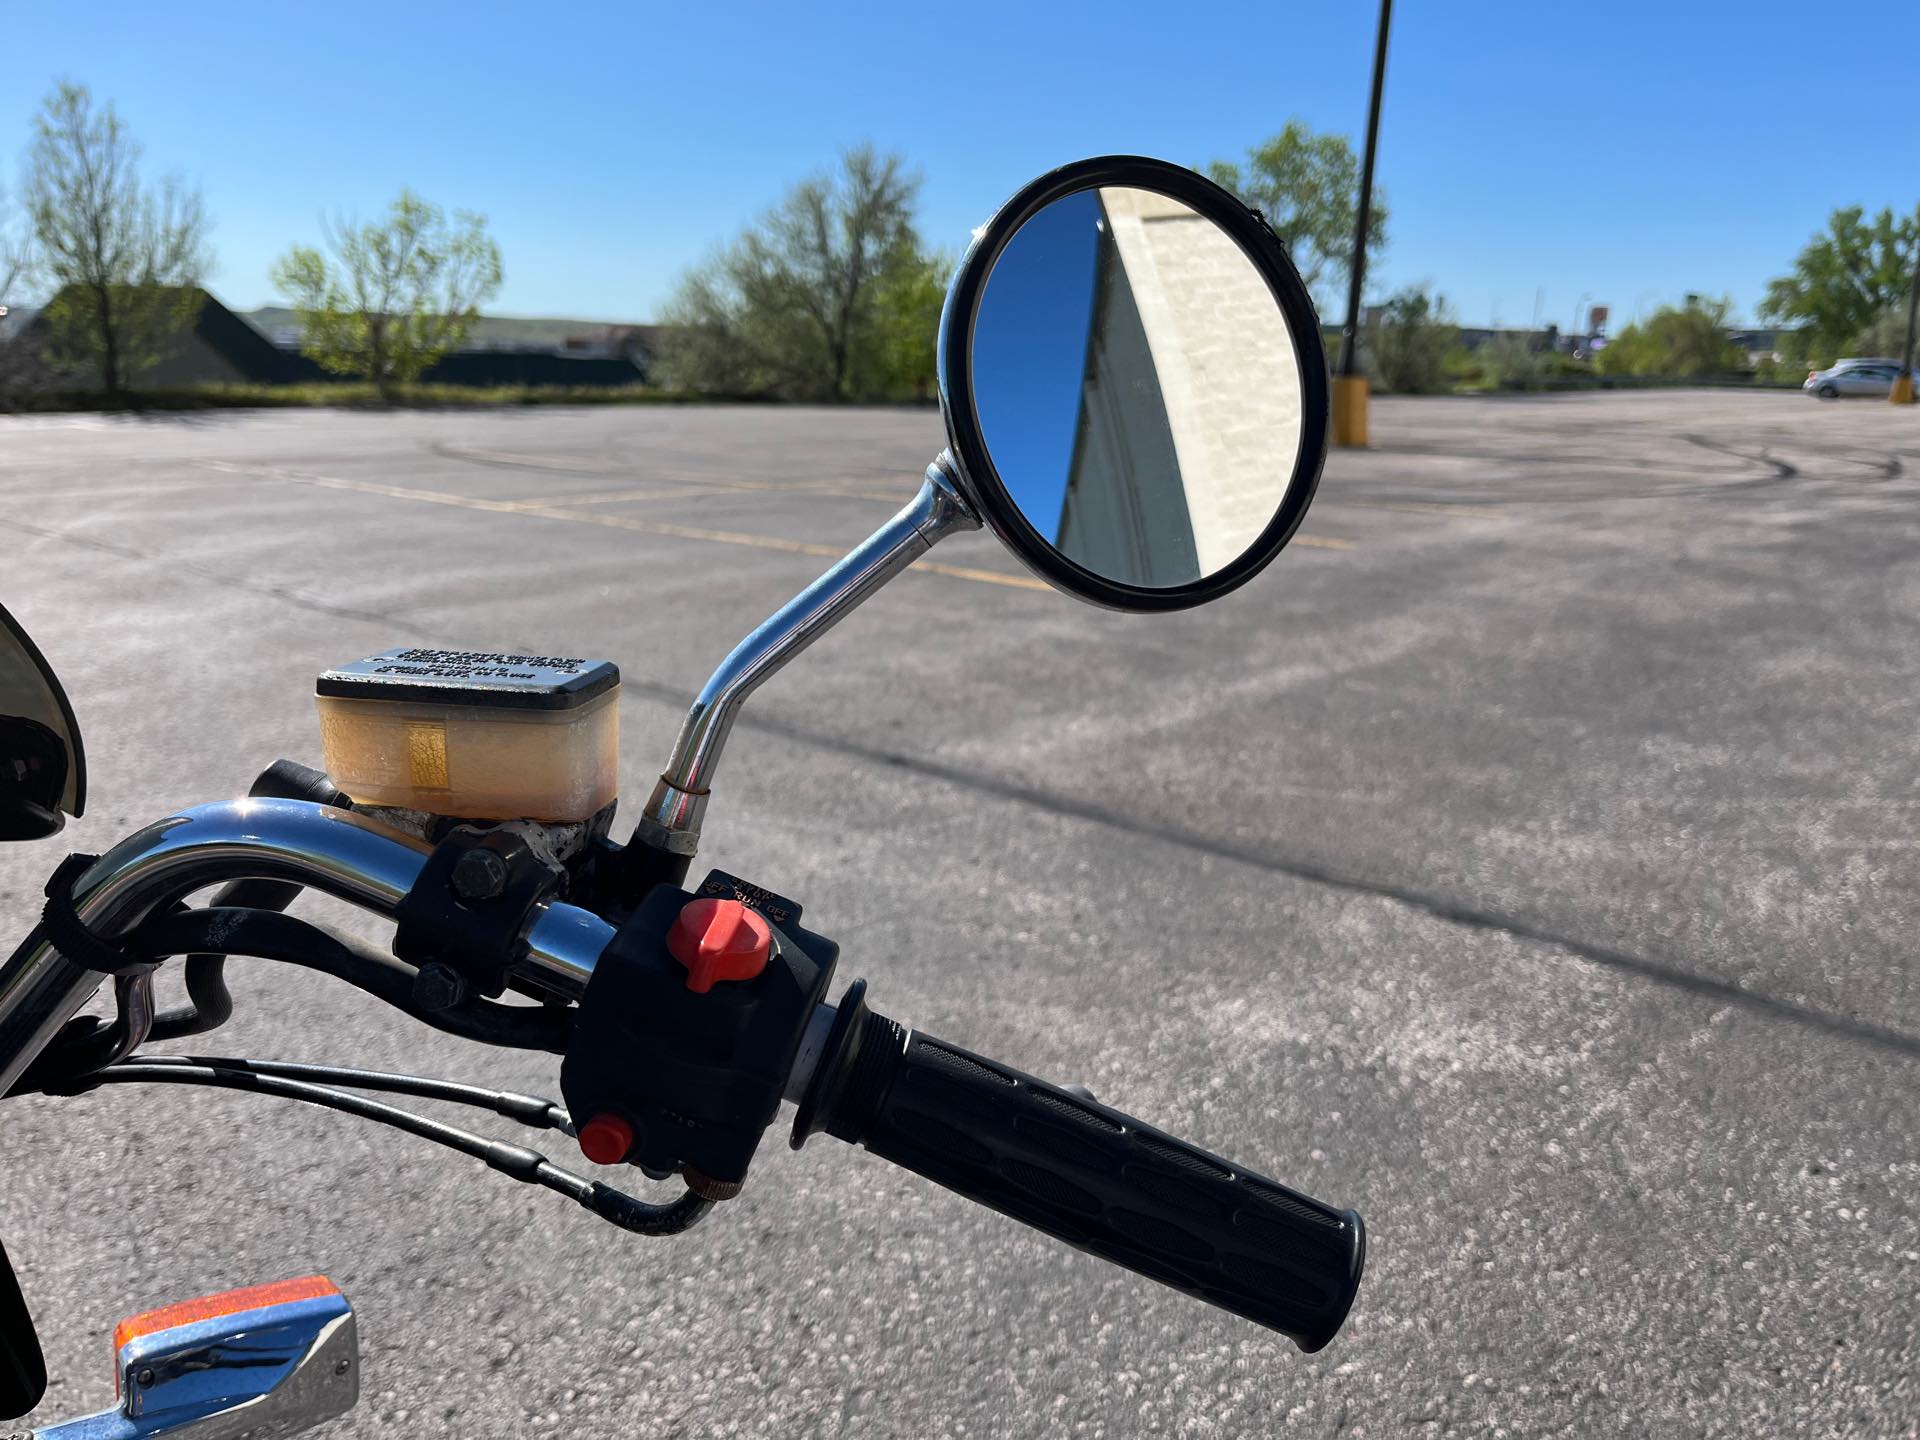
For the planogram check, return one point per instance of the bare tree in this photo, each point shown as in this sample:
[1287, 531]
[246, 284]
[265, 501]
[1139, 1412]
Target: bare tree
[824, 299]
[16, 251]
[16, 269]
[123, 259]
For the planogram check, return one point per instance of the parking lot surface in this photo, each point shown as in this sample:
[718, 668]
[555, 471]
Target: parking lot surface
[1526, 860]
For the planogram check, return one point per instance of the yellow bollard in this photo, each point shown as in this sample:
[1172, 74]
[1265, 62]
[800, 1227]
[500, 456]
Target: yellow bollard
[1350, 410]
[1901, 394]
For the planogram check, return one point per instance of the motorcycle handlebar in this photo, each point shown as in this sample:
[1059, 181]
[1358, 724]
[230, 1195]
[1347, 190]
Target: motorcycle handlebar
[1101, 1181]
[1085, 1173]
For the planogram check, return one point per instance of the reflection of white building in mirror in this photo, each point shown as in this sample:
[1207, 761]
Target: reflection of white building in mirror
[1124, 515]
[1225, 362]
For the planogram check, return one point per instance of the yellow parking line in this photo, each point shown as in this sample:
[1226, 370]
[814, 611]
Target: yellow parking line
[659, 527]
[846, 489]
[520, 461]
[615, 522]
[614, 497]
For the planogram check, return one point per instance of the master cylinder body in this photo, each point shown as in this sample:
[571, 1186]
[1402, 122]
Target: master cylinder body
[476, 734]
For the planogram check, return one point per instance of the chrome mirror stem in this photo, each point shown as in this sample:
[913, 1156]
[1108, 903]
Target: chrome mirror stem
[672, 818]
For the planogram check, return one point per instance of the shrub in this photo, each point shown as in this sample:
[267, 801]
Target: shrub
[1410, 339]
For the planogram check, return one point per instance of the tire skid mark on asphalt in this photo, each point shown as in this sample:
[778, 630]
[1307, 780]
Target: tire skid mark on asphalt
[515, 460]
[615, 497]
[1781, 469]
[658, 527]
[1447, 909]
[145, 490]
[1440, 907]
[1417, 507]
[223, 578]
[1774, 467]
[626, 522]
[688, 487]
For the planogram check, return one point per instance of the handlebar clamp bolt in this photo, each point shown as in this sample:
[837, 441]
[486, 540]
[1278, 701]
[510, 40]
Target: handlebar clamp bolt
[439, 987]
[479, 875]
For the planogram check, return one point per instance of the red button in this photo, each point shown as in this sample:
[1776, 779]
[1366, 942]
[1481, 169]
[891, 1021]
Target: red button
[606, 1139]
[719, 940]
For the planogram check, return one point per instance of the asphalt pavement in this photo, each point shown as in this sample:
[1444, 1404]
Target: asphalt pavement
[1526, 859]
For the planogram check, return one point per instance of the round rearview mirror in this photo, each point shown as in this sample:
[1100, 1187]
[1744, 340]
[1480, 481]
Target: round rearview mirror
[1134, 384]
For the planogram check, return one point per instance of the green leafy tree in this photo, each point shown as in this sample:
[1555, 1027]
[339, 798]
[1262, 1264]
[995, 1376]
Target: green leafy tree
[1514, 362]
[901, 365]
[124, 259]
[1885, 335]
[396, 296]
[829, 296]
[1410, 340]
[1847, 277]
[1308, 187]
[1679, 342]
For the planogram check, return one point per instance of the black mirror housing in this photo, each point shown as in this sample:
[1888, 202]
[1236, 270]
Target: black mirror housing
[43, 767]
[1131, 520]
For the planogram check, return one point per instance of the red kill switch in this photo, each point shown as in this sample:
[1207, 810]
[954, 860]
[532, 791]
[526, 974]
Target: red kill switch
[719, 940]
[606, 1139]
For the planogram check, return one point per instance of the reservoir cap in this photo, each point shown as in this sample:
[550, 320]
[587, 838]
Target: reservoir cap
[471, 677]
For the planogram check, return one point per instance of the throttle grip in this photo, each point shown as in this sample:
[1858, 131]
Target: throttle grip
[1091, 1176]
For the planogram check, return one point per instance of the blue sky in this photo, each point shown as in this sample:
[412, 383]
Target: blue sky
[1628, 151]
[1030, 354]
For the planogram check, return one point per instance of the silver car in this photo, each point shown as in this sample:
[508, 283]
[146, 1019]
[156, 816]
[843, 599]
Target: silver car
[1853, 377]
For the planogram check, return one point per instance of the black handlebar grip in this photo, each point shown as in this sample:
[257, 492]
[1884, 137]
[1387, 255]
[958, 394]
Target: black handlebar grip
[1101, 1181]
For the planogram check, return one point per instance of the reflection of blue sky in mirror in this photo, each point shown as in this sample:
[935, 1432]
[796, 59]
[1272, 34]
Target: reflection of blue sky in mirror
[1029, 351]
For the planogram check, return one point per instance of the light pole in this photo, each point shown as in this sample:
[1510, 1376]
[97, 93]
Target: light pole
[1902, 392]
[1350, 386]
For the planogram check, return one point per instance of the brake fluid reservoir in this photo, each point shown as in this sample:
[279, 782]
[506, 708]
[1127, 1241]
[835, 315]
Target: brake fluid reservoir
[474, 734]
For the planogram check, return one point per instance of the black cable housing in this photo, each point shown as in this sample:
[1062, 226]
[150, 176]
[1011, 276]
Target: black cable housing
[534, 1111]
[518, 1162]
[270, 935]
[209, 1002]
[209, 1005]
[86, 1043]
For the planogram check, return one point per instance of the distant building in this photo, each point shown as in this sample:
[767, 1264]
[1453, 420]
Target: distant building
[210, 345]
[1758, 345]
[213, 346]
[635, 343]
[1536, 341]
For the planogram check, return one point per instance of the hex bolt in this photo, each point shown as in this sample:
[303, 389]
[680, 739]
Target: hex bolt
[144, 1378]
[479, 875]
[439, 987]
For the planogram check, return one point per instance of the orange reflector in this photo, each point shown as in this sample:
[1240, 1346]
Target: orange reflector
[227, 1302]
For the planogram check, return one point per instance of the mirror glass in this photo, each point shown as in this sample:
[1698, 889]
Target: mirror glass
[1136, 386]
[42, 767]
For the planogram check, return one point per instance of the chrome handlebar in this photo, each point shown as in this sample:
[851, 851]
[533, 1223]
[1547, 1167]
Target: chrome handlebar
[336, 851]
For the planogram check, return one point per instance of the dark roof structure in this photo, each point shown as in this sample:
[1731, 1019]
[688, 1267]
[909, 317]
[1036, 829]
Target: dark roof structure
[215, 346]
[211, 344]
